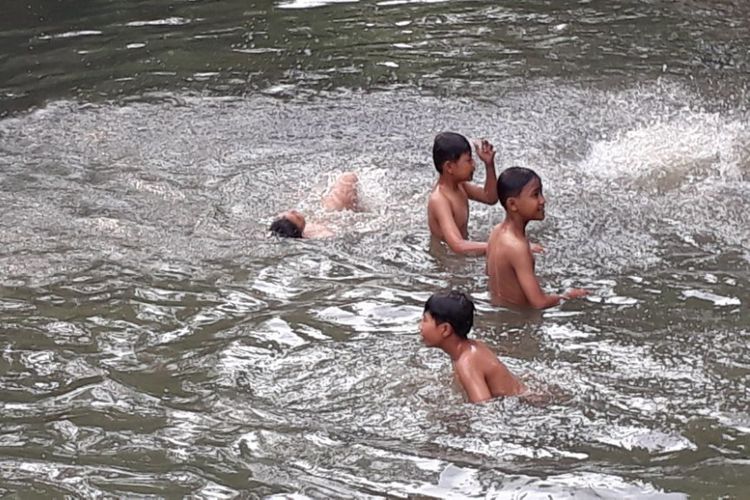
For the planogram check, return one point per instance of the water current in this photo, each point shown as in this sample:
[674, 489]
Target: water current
[155, 341]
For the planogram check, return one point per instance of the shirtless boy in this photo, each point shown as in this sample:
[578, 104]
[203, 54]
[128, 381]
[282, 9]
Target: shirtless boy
[342, 196]
[510, 264]
[448, 205]
[445, 323]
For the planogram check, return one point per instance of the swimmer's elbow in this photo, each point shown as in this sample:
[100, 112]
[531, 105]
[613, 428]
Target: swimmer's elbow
[467, 247]
[455, 245]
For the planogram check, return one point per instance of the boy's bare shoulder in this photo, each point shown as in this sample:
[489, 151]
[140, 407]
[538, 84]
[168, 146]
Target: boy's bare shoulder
[435, 192]
[500, 237]
[438, 198]
[478, 352]
[439, 191]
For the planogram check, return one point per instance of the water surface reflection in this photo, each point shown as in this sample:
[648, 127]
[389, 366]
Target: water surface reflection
[158, 342]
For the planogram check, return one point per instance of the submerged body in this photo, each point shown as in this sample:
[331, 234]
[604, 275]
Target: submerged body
[343, 195]
[511, 268]
[482, 375]
[448, 204]
[445, 323]
[505, 251]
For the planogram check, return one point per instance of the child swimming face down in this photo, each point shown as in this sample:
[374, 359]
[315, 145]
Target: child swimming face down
[290, 224]
[342, 196]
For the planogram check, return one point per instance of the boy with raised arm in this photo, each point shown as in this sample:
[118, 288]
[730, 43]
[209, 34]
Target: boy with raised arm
[445, 323]
[448, 205]
[510, 264]
[342, 196]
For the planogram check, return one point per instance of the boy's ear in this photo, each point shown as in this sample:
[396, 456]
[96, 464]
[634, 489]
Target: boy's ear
[511, 204]
[445, 330]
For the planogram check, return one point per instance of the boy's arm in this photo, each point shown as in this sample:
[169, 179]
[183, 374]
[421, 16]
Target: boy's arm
[451, 233]
[488, 194]
[317, 231]
[523, 265]
[473, 382]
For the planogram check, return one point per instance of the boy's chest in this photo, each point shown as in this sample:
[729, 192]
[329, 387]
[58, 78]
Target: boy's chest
[459, 203]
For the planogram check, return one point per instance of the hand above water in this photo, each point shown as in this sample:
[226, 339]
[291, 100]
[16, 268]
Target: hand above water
[536, 248]
[485, 151]
[575, 293]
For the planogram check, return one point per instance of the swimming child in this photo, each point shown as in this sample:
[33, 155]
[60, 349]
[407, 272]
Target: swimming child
[448, 205]
[342, 196]
[445, 323]
[510, 265]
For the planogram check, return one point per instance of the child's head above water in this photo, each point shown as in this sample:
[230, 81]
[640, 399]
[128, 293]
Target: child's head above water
[448, 146]
[290, 224]
[446, 309]
[511, 181]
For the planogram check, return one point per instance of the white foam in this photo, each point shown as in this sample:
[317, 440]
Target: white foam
[673, 150]
[169, 21]
[308, 4]
[404, 2]
[630, 438]
[72, 34]
[718, 300]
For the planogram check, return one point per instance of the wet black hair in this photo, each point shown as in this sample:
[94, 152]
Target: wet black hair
[285, 228]
[454, 308]
[448, 146]
[512, 180]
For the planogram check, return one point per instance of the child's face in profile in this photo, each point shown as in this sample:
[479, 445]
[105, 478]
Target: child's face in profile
[428, 328]
[530, 201]
[464, 167]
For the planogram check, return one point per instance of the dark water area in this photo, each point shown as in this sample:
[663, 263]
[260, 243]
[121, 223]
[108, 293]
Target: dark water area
[103, 49]
[156, 342]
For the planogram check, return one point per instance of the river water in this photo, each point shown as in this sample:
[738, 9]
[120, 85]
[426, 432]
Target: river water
[156, 342]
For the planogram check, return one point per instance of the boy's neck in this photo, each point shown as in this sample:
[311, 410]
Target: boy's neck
[447, 181]
[515, 224]
[455, 346]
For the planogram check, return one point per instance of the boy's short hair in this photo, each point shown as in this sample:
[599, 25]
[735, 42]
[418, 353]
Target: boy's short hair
[511, 181]
[285, 228]
[448, 146]
[454, 308]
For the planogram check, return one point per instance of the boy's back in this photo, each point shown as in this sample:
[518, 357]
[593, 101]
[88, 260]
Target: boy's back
[483, 375]
[446, 322]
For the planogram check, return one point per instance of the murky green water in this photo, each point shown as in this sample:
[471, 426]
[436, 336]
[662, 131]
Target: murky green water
[155, 342]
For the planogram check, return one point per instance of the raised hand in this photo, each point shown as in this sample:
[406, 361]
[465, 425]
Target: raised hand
[485, 151]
